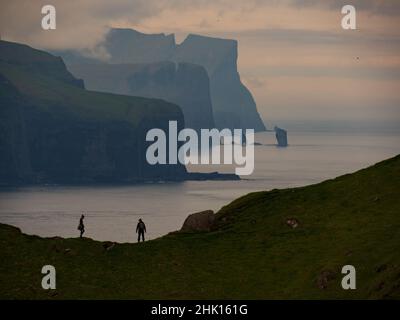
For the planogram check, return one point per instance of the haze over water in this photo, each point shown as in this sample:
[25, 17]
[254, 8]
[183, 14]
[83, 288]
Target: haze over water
[112, 211]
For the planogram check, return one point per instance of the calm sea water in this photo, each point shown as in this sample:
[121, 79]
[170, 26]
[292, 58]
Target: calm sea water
[112, 211]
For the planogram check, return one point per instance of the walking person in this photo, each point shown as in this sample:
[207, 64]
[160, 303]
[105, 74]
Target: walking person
[81, 226]
[140, 230]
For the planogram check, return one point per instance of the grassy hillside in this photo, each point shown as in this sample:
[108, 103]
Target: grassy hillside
[252, 254]
[45, 81]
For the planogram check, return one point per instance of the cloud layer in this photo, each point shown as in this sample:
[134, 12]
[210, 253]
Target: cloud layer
[293, 54]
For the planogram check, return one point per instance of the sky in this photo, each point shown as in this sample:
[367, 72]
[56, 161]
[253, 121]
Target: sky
[293, 55]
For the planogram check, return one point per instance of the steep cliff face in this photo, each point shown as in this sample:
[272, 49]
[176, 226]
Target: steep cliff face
[66, 149]
[232, 103]
[14, 153]
[184, 84]
[54, 131]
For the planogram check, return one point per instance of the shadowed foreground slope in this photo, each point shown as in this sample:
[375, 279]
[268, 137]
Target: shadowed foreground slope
[252, 254]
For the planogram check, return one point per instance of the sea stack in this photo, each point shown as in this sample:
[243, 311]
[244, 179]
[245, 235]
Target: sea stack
[281, 137]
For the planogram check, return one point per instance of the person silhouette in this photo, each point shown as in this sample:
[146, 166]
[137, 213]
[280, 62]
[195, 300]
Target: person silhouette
[140, 230]
[81, 226]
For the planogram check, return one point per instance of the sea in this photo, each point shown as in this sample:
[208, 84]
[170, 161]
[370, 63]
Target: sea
[111, 212]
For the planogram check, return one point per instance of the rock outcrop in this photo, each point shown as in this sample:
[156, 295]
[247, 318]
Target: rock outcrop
[281, 137]
[199, 221]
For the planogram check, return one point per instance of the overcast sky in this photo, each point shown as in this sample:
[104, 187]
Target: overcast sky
[293, 55]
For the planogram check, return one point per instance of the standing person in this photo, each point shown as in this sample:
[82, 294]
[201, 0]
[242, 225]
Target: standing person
[140, 230]
[81, 226]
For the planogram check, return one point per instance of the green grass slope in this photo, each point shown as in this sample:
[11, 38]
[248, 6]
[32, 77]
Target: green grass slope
[252, 254]
[44, 80]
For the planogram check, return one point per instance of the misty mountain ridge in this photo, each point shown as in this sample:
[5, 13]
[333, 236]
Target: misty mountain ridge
[232, 103]
[184, 84]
